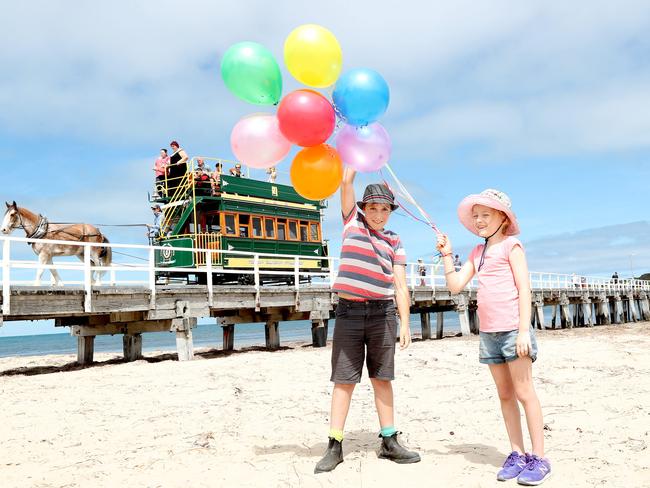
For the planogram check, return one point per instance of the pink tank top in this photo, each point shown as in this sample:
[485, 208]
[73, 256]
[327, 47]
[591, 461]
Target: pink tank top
[498, 297]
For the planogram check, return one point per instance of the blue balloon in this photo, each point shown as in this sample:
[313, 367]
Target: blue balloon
[361, 96]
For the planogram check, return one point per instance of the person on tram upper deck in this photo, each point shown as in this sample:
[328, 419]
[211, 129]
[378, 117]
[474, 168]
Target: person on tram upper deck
[202, 171]
[160, 170]
[236, 171]
[215, 177]
[177, 166]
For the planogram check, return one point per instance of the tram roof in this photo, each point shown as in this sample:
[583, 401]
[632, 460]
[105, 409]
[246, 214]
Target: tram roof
[262, 189]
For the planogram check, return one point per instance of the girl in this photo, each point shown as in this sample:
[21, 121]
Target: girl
[507, 344]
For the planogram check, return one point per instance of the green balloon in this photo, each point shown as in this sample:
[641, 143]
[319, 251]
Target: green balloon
[250, 71]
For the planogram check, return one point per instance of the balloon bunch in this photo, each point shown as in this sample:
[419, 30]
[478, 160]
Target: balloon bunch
[305, 117]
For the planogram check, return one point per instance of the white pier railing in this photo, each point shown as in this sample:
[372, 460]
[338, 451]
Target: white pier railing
[136, 266]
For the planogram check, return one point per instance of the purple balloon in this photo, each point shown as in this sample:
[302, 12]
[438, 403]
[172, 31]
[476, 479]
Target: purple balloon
[366, 148]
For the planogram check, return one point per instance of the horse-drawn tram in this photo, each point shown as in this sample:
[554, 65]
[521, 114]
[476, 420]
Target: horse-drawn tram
[230, 214]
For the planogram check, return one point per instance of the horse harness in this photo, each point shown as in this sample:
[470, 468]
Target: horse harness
[42, 229]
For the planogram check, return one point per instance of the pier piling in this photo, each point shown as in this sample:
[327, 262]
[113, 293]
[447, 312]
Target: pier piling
[132, 346]
[85, 349]
[425, 322]
[319, 333]
[272, 334]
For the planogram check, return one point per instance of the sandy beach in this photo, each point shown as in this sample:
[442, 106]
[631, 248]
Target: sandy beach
[261, 418]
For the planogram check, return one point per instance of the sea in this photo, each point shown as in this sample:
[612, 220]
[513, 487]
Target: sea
[205, 335]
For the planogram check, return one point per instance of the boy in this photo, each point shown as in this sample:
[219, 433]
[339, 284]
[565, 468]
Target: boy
[371, 278]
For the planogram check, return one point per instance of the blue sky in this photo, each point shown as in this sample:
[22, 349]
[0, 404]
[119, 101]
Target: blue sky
[549, 102]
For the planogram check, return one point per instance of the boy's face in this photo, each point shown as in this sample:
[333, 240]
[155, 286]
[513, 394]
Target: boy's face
[377, 215]
[486, 220]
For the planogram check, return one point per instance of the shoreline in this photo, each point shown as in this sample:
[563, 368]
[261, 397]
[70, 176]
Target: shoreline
[260, 418]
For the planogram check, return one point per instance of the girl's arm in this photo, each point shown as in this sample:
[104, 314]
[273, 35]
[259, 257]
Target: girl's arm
[403, 305]
[456, 280]
[347, 191]
[522, 282]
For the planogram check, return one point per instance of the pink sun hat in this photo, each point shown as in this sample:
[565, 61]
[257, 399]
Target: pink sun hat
[489, 198]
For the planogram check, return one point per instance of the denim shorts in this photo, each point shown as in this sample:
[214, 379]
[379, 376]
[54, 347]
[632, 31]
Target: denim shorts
[501, 347]
[364, 331]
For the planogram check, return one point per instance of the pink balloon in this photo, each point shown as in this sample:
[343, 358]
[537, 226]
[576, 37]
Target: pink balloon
[257, 142]
[366, 148]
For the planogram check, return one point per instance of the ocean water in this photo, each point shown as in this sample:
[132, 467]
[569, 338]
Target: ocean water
[204, 335]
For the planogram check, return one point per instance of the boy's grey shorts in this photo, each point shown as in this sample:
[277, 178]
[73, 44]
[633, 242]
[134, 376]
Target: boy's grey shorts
[364, 329]
[501, 347]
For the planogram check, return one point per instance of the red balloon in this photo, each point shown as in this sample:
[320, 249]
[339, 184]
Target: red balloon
[306, 118]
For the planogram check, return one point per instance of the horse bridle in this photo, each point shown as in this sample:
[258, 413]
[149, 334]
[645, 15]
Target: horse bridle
[41, 226]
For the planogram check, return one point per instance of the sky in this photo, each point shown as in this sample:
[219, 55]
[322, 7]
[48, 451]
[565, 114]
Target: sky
[547, 101]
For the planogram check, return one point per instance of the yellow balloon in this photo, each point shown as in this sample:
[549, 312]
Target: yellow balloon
[313, 55]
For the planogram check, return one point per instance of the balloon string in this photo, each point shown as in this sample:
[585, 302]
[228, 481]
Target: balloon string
[404, 192]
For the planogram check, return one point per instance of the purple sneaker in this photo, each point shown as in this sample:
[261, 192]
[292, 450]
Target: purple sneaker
[514, 464]
[536, 471]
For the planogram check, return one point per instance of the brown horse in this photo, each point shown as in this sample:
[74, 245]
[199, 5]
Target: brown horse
[37, 227]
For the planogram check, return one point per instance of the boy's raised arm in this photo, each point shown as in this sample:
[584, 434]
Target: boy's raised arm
[347, 191]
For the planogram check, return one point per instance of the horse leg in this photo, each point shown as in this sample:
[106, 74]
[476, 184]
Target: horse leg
[42, 259]
[56, 279]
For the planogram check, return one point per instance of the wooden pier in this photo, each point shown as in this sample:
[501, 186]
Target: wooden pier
[132, 308]
[133, 311]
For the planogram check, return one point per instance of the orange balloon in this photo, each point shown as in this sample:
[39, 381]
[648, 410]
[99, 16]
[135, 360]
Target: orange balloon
[316, 172]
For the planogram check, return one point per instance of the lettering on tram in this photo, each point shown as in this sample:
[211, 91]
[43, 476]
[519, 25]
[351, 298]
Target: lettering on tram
[229, 214]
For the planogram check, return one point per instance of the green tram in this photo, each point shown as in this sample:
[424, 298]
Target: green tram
[230, 213]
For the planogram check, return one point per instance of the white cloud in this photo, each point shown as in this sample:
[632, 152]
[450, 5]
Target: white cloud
[498, 72]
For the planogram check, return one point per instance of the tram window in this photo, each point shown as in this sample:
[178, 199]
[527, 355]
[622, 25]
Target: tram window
[282, 231]
[313, 231]
[269, 228]
[303, 233]
[230, 222]
[244, 222]
[293, 230]
[257, 226]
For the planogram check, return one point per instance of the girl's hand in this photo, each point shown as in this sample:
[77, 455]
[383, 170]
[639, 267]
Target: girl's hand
[444, 244]
[404, 336]
[523, 344]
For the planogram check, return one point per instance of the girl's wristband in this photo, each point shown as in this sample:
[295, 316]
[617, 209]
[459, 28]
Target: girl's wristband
[445, 255]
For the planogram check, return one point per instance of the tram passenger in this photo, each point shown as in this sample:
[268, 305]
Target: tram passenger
[153, 230]
[371, 281]
[215, 178]
[177, 166]
[236, 171]
[273, 174]
[160, 169]
[202, 171]
[202, 177]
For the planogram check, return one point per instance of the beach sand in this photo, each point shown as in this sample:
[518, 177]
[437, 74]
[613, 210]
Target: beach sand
[260, 419]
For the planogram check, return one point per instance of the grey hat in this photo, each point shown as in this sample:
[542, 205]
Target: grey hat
[156, 206]
[377, 193]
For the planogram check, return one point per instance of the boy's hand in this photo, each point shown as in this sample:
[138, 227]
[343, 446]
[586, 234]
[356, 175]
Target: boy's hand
[523, 344]
[444, 244]
[404, 336]
[348, 174]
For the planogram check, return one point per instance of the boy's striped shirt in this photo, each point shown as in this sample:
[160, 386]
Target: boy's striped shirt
[367, 259]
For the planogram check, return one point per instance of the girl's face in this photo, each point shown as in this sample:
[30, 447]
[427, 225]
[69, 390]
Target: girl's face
[377, 215]
[487, 220]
